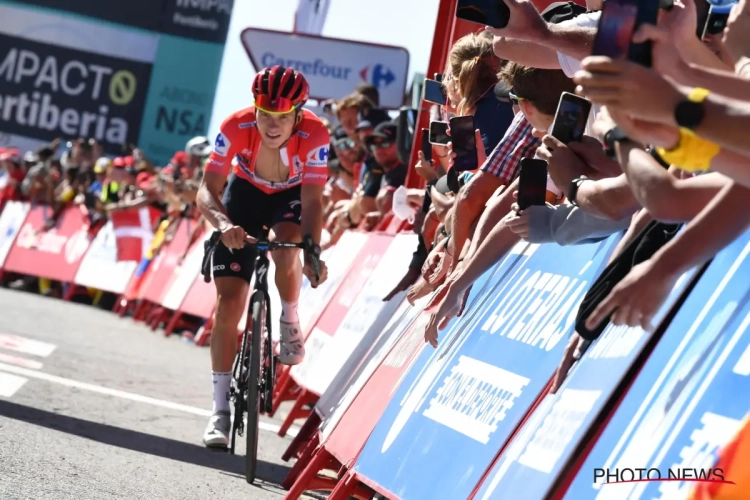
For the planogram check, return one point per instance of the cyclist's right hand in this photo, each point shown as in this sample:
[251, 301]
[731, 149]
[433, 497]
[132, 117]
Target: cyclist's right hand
[233, 237]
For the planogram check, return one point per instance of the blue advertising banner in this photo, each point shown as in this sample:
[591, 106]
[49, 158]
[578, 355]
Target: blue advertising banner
[459, 403]
[537, 454]
[689, 398]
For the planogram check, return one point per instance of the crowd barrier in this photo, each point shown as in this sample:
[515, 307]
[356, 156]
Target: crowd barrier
[474, 417]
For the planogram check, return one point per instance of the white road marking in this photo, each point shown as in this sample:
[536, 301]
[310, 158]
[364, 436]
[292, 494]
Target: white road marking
[122, 394]
[23, 362]
[9, 384]
[26, 346]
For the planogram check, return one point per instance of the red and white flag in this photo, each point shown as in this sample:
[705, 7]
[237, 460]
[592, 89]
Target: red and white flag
[134, 231]
[311, 16]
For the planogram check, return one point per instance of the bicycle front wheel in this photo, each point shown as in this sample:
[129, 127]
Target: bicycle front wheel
[258, 309]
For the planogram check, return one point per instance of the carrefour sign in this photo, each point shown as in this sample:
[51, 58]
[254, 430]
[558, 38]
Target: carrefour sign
[333, 67]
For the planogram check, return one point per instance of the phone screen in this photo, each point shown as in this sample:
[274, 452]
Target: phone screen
[463, 142]
[571, 117]
[532, 183]
[426, 146]
[616, 27]
[433, 92]
[439, 133]
[485, 12]
[717, 20]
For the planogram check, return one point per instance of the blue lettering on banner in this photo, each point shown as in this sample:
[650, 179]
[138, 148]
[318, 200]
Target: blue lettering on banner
[688, 399]
[317, 67]
[458, 404]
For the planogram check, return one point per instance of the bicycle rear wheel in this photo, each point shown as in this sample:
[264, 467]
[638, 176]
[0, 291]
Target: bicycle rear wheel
[258, 308]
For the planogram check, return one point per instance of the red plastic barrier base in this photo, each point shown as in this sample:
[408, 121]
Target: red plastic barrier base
[307, 434]
[347, 486]
[285, 389]
[299, 410]
[302, 461]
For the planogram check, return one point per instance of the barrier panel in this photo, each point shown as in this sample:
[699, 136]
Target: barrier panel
[162, 269]
[690, 397]
[100, 268]
[363, 265]
[458, 404]
[346, 440]
[54, 254]
[184, 275]
[537, 454]
[11, 220]
[362, 313]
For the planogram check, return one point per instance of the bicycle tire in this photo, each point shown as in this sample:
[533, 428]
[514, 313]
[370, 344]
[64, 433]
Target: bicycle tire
[257, 306]
[269, 366]
[239, 375]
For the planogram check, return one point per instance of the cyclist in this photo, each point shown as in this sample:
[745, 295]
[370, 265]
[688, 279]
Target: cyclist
[278, 156]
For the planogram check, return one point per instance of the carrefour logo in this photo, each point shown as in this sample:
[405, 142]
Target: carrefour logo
[318, 157]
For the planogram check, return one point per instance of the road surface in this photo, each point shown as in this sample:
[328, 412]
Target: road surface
[97, 407]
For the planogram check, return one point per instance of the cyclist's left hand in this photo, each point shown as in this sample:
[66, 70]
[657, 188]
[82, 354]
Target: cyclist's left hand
[310, 273]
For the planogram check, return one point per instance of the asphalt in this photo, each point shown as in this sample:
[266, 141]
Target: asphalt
[60, 439]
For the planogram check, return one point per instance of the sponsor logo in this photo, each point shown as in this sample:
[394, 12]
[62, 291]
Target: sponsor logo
[221, 145]
[50, 91]
[315, 176]
[318, 157]
[247, 152]
[76, 246]
[296, 165]
[317, 67]
[262, 273]
[219, 268]
[289, 215]
[235, 267]
[303, 134]
[294, 203]
[246, 125]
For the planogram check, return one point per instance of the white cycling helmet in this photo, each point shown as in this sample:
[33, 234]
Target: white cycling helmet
[198, 146]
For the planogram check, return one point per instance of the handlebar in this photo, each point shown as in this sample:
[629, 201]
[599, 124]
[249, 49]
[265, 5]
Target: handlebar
[263, 245]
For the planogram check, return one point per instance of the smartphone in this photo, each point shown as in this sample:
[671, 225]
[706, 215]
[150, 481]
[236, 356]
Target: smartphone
[717, 20]
[485, 12]
[426, 146]
[463, 142]
[434, 92]
[438, 77]
[616, 27]
[648, 13]
[532, 183]
[571, 117]
[439, 133]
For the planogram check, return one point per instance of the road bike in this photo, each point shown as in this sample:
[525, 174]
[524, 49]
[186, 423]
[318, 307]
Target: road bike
[254, 370]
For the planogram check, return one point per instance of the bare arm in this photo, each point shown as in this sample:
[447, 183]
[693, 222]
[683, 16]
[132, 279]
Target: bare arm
[720, 222]
[209, 200]
[526, 53]
[718, 80]
[666, 198]
[572, 41]
[312, 211]
[609, 198]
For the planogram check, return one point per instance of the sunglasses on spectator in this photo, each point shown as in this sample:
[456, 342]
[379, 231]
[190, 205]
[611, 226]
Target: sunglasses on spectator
[379, 145]
[344, 144]
[514, 99]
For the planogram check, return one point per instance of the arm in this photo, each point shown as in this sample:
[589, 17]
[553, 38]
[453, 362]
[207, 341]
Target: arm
[312, 211]
[208, 199]
[717, 80]
[609, 198]
[467, 208]
[527, 53]
[660, 192]
[572, 41]
[703, 237]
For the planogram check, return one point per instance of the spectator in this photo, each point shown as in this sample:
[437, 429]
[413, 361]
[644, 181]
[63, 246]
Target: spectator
[348, 112]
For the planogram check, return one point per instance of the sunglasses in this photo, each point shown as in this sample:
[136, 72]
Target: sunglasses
[514, 99]
[344, 144]
[379, 145]
[278, 106]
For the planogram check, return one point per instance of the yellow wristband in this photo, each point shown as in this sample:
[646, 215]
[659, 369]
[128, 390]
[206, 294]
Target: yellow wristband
[698, 94]
[692, 154]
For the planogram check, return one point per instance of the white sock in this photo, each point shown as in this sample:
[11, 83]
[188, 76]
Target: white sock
[289, 312]
[221, 390]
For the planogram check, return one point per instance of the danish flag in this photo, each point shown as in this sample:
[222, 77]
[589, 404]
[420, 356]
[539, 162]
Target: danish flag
[134, 230]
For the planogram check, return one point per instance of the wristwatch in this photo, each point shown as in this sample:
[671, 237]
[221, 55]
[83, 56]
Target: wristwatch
[573, 189]
[689, 112]
[612, 137]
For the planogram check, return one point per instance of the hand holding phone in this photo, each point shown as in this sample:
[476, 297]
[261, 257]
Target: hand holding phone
[463, 143]
[532, 183]
[571, 117]
[426, 146]
[485, 12]
[439, 133]
[434, 92]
